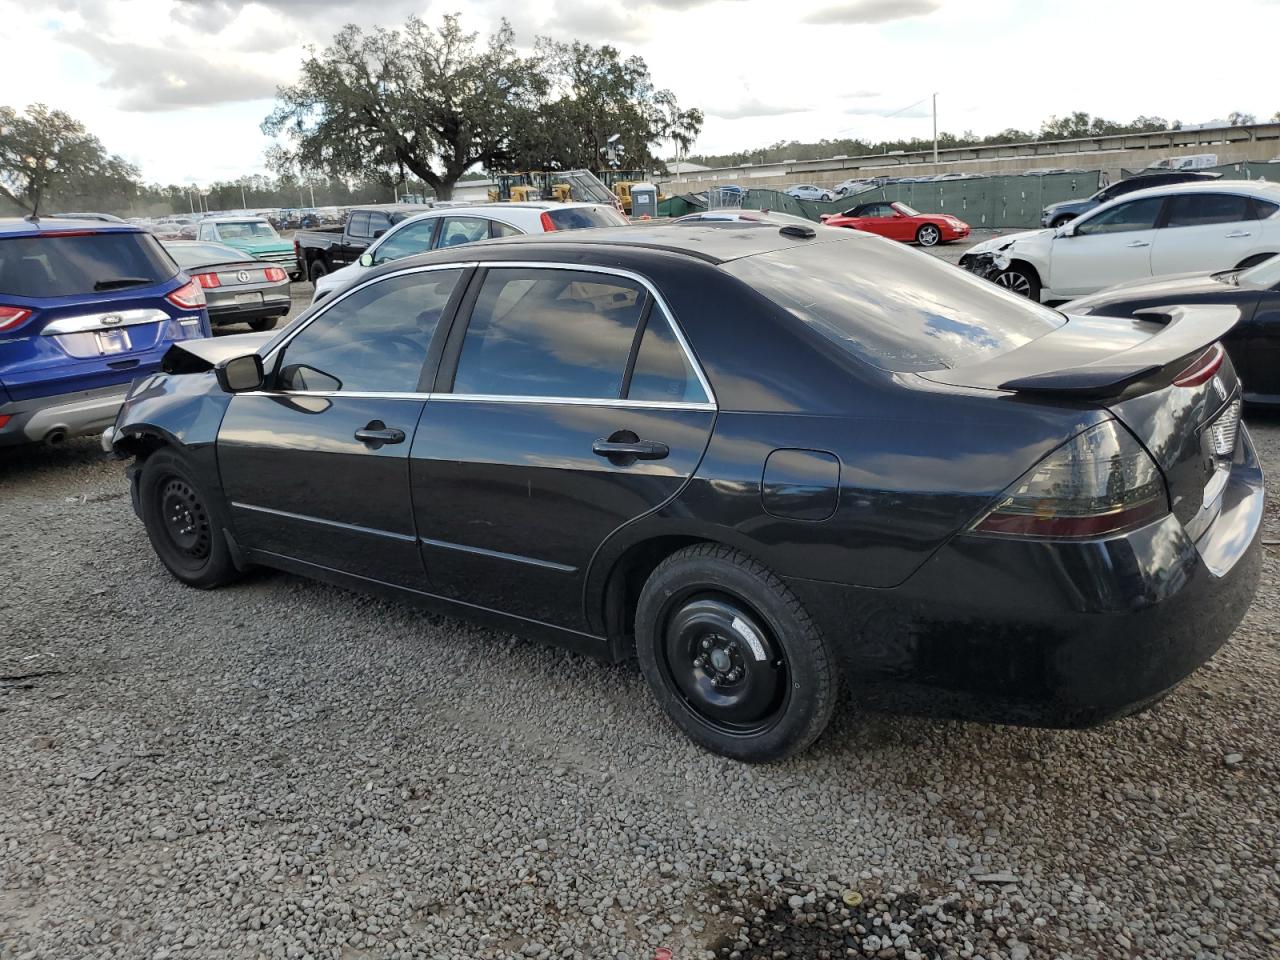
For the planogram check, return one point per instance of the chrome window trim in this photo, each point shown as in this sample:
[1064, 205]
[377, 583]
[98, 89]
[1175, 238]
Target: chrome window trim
[273, 348]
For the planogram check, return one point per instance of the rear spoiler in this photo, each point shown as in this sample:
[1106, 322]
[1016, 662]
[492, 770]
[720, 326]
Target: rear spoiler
[1188, 330]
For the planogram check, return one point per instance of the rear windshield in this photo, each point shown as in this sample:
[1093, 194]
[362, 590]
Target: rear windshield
[73, 264]
[202, 254]
[895, 308]
[576, 218]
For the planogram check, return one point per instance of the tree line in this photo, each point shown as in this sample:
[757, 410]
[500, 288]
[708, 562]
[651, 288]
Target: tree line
[1072, 126]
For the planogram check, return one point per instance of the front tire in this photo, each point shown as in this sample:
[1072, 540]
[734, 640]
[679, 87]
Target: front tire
[1061, 222]
[184, 525]
[733, 657]
[264, 324]
[317, 270]
[1019, 280]
[928, 235]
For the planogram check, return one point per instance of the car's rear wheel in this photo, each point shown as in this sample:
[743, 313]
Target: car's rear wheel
[266, 323]
[1061, 222]
[184, 525]
[1021, 281]
[733, 657]
[317, 270]
[928, 235]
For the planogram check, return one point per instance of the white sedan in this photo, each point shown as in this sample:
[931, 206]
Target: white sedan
[452, 226]
[1183, 228]
[807, 191]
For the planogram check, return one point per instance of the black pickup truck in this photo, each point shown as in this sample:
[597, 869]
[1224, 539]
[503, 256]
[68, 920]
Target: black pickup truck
[325, 249]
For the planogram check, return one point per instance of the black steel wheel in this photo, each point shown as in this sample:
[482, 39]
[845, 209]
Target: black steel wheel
[725, 665]
[185, 526]
[732, 656]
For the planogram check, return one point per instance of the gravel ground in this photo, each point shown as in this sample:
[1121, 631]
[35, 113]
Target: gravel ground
[283, 769]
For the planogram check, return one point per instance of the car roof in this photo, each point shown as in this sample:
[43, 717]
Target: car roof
[714, 243]
[1252, 188]
[21, 226]
[230, 218]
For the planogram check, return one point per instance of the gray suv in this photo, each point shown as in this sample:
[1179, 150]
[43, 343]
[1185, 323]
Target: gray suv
[1056, 214]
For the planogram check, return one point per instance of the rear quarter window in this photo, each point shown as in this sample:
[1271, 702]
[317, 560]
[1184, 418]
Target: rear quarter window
[896, 309]
[69, 265]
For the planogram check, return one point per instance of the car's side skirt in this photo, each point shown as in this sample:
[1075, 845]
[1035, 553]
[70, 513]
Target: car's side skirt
[534, 629]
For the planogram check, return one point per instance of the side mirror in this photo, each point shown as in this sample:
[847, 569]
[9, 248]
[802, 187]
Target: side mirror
[1066, 230]
[239, 374]
[366, 260]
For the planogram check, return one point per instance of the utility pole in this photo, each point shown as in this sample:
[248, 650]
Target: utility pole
[935, 128]
[312, 187]
[243, 204]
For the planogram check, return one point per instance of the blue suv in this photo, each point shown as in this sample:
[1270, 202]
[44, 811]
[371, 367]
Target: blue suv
[85, 307]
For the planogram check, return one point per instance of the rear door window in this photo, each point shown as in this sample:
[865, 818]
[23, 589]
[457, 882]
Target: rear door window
[455, 231]
[549, 333]
[1203, 209]
[916, 314]
[75, 264]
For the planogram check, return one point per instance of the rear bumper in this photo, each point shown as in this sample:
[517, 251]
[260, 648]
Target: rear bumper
[220, 314]
[1053, 634]
[62, 416]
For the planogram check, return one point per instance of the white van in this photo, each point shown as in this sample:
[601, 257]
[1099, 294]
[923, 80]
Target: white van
[1197, 161]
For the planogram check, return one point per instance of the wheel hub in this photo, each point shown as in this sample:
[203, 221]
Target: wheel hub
[725, 665]
[184, 518]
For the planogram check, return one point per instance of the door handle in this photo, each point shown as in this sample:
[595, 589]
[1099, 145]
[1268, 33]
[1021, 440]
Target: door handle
[639, 449]
[1138, 243]
[376, 433]
[1239, 233]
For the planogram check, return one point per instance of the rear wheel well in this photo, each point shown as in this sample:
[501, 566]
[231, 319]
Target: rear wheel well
[627, 579]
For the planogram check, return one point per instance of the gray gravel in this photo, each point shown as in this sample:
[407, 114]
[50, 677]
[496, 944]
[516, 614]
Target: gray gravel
[283, 769]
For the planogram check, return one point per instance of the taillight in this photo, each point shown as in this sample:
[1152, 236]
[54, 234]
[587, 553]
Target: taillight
[4, 419]
[1102, 482]
[275, 274]
[548, 224]
[1201, 369]
[189, 296]
[10, 317]
[207, 280]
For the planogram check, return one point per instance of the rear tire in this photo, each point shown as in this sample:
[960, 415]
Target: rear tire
[1061, 222]
[928, 235]
[266, 323]
[733, 657]
[317, 270]
[183, 523]
[1020, 280]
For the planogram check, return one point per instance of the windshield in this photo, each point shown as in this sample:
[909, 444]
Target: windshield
[1263, 277]
[906, 211]
[578, 218]
[248, 230]
[75, 264]
[891, 307]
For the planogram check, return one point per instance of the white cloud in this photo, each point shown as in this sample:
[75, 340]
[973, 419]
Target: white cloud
[873, 11]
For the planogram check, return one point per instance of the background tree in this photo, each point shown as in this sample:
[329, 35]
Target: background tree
[435, 102]
[45, 152]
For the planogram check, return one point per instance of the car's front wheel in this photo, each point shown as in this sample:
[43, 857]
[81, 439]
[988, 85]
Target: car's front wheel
[1019, 280]
[183, 523]
[317, 270]
[262, 325]
[928, 235]
[733, 657]
[1061, 221]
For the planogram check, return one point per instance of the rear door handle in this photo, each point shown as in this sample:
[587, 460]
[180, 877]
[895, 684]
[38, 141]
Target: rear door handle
[1239, 233]
[376, 433]
[1139, 243]
[640, 449]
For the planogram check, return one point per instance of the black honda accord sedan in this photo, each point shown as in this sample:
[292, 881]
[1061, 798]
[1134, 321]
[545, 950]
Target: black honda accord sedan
[771, 461]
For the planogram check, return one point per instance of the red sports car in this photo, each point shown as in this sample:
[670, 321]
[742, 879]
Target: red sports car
[897, 221]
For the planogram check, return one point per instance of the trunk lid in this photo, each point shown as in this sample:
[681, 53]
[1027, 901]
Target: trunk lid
[1130, 368]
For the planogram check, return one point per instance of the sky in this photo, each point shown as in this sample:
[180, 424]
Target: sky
[180, 87]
